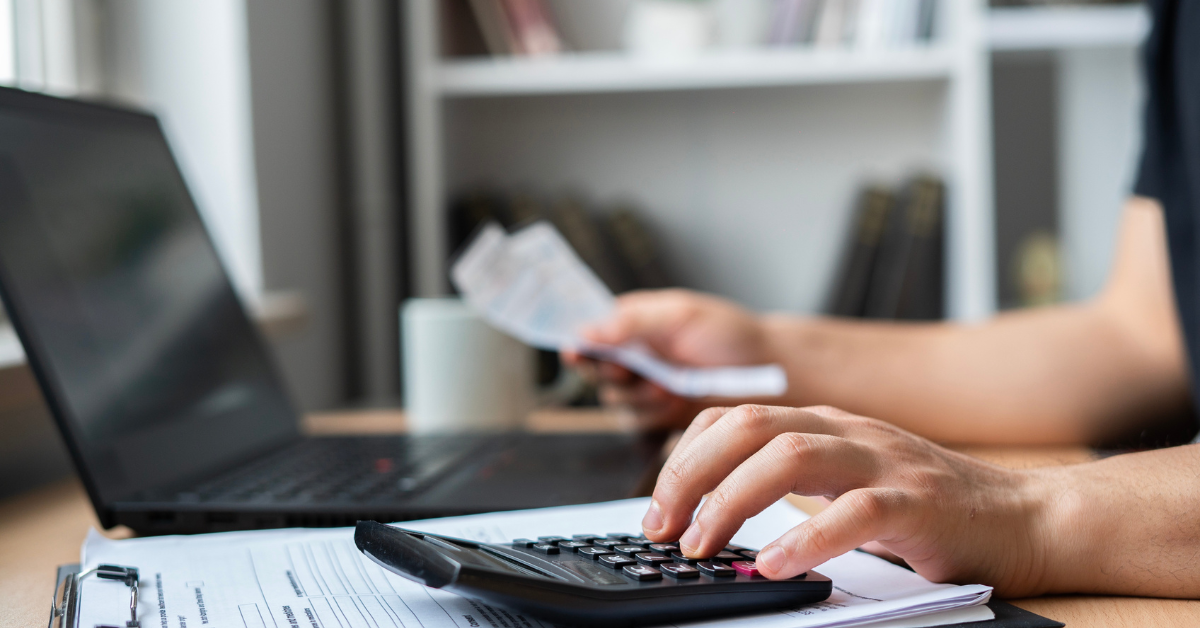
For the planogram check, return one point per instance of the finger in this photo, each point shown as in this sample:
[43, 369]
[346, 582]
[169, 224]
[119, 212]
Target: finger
[714, 453]
[642, 315]
[652, 522]
[703, 421]
[855, 518]
[809, 464]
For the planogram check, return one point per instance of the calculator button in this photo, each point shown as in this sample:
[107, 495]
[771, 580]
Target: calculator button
[609, 543]
[727, 556]
[586, 538]
[751, 554]
[679, 571]
[715, 569]
[746, 568]
[639, 540]
[544, 548]
[552, 540]
[651, 559]
[615, 561]
[664, 548]
[630, 550]
[642, 572]
[622, 535]
[593, 552]
[571, 546]
[680, 558]
[523, 542]
[734, 548]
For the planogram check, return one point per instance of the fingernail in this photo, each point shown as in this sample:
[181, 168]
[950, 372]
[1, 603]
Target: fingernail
[773, 558]
[652, 522]
[690, 540]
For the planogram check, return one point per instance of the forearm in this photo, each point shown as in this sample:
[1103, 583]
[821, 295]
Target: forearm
[1128, 525]
[1065, 374]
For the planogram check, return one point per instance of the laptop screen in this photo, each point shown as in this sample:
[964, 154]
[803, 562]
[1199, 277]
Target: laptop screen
[144, 352]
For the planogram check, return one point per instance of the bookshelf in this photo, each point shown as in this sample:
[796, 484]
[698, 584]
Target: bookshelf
[1093, 54]
[746, 160]
[617, 72]
[1063, 27]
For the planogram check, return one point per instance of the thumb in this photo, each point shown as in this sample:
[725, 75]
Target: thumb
[855, 518]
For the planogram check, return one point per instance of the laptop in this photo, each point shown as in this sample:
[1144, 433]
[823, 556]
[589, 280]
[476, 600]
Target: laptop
[162, 387]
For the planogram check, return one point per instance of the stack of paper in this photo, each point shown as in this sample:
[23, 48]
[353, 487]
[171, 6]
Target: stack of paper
[533, 286]
[318, 579]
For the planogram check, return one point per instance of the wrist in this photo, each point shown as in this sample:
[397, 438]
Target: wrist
[1062, 531]
[788, 342]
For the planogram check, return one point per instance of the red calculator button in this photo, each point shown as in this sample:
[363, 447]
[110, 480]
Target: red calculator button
[746, 568]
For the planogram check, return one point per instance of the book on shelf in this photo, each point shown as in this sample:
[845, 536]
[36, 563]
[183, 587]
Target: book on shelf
[529, 28]
[854, 279]
[615, 243]
[516, 27]
[866, 24]
[894, 265]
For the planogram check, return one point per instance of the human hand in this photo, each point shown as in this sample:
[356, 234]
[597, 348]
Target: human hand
[683, 327]
[951, 517]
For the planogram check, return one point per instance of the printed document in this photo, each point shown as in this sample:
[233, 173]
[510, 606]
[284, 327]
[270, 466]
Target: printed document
[305, 578]
[533, 286]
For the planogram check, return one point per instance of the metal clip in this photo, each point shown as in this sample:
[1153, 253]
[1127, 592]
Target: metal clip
[64, 606]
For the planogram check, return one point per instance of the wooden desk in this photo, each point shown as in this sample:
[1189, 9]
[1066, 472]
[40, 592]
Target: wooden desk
[45, 528]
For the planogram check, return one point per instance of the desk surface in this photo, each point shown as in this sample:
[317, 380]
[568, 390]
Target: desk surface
[44, 528]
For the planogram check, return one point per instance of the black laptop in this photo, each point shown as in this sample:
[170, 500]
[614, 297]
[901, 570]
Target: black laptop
[163, 388]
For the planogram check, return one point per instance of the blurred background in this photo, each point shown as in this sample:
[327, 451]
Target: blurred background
[789, 154]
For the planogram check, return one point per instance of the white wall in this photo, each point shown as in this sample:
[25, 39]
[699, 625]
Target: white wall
[188, 61]
[1099, 104]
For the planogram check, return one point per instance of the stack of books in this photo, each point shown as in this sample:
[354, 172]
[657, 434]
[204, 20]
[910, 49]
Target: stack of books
[894, 267]
[852, 23]
[528, 27]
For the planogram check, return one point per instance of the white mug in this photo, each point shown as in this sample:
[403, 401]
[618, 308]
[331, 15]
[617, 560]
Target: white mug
[460, 374]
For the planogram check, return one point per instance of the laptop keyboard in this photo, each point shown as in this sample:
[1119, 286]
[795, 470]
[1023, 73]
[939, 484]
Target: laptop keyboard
[360, 470]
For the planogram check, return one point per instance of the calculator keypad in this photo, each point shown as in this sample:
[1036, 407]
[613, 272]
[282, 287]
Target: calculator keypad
[719, 570]
[616, 561]
[651, 559]
[593, 552]
[679, 571]
[637, 558]
[642, 572]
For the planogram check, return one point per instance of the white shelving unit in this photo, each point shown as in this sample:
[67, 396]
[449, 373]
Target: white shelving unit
[1094, 51]
[1060, 28]
[616, 72]
[747, 161]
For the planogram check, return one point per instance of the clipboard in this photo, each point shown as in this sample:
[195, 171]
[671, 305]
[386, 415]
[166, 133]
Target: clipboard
[64, 606]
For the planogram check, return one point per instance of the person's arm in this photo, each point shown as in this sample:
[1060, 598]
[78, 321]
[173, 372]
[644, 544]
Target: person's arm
[1126, 525]
[1071, 373]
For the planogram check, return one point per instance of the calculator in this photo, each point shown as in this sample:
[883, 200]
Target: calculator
[589, 579]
